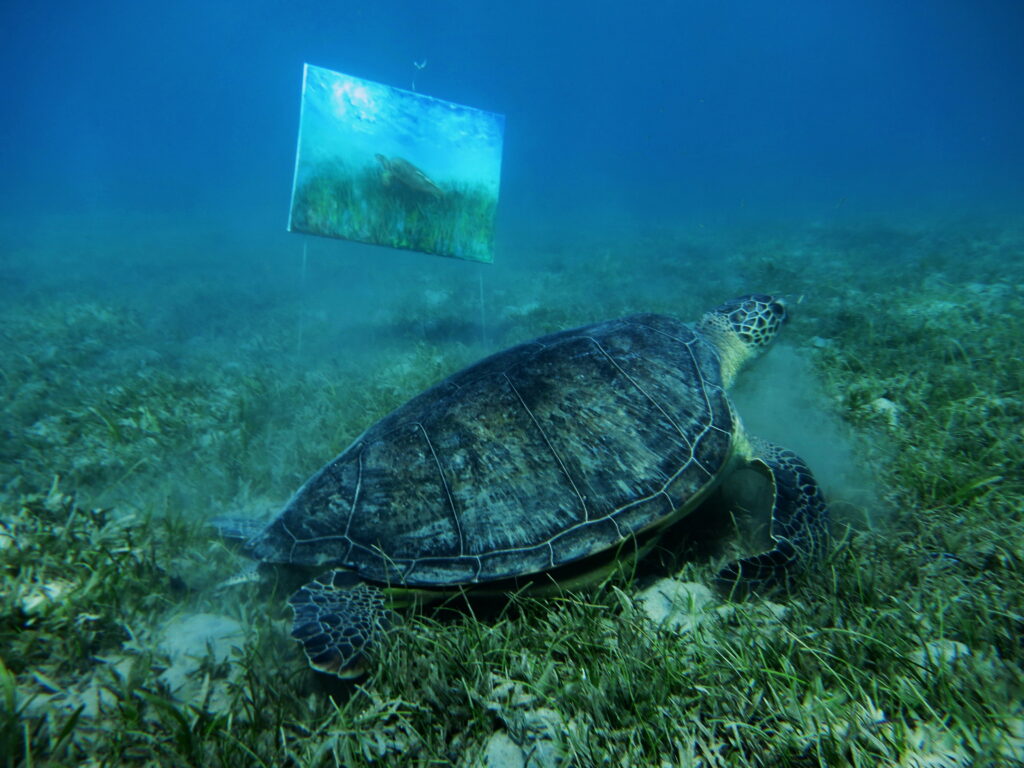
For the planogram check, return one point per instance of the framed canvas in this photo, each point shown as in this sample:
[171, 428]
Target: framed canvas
[382, 165]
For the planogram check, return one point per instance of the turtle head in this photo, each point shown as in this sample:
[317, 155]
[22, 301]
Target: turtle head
[755, 319]
[742, 328]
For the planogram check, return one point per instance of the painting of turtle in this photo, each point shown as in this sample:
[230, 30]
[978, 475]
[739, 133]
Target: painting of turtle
[381, 165]
[399, 174]
[540, 456]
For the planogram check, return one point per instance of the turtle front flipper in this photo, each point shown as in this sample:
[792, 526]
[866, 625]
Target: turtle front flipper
[338, 617]
[799, 523]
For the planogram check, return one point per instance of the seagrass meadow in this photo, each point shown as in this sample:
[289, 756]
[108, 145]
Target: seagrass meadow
[354, 205]
[129, 422]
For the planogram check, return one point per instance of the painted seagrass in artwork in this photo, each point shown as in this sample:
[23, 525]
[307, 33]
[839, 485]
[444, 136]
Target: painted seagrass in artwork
[391, 167]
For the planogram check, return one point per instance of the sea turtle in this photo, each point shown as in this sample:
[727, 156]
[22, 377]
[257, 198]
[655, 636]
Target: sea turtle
[536, 457]
[397, 172]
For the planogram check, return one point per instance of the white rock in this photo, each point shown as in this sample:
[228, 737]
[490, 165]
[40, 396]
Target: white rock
[545, 730]
[940, 653]
[543, 723]
[887, 409]
[676, 605]
[502, 752]
[42, 596]
[6, 538]
[200, 633]
[1012, 747]
[188, 641]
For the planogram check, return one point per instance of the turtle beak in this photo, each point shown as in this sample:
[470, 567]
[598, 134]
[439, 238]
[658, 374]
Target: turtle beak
[779, 308]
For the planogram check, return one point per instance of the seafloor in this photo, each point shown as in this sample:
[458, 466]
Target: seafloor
[155, 378]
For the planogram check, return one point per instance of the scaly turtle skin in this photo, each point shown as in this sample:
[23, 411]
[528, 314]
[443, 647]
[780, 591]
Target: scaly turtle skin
[542, 455]
[399, 172]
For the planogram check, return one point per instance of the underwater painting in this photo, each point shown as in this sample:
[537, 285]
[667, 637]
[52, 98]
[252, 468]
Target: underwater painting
[391, 167]
[703, 449]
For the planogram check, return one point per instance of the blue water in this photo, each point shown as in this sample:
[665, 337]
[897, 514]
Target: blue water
[169, 351]
[650, 111]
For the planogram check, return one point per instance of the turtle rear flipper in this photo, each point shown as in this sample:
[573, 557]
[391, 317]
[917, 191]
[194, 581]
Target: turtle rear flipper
[338, 617]
[799, 524]
[236, 529]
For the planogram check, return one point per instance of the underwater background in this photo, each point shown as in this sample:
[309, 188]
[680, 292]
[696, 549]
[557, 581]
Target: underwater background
[169, 353]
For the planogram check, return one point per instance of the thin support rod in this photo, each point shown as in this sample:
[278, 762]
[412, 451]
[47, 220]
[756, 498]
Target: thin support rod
[483, 313]
[302, 295]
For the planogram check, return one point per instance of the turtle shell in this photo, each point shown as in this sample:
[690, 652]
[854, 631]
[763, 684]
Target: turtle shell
[401, 171]
[532, 458]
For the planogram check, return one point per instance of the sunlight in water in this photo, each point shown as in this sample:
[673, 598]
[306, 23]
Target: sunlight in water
[350, 94]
